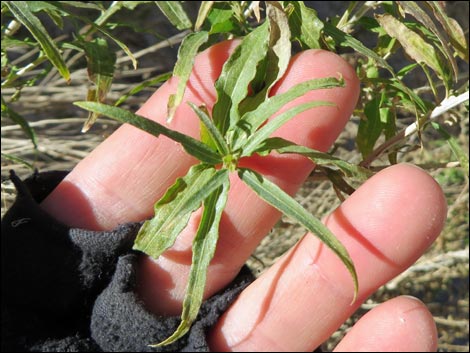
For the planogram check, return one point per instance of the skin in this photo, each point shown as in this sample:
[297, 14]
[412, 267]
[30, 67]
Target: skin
[298, 303]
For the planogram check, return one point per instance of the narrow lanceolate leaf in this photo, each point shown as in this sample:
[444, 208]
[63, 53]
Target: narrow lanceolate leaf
[210, 128]
[204, 245]
[183, 67]
[413, 44]
[454, 145]
[21, 11]
[21, 121]
[144, 84]
[346, 40]
[305, 25]
[276, 197]
[175, 14]
[173, 210]
[191, 145]
[202, 14]
[281, 145]
[262, 134]
[251, 121]
[237, 73]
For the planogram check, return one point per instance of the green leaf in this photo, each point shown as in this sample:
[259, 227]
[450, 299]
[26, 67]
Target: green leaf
[175, 14]
[211, 129]
[21, 121]
[276, 197]
[147, 83]
[204, 246]
[262, 134]
[21, 11]
[183, 67]
[202, 14]
[454, 146]
[191, 145]
[173, 210]
[305, 25]
[370, 127]
[413, 44]
[237, 73]
[346, 40]
[220, 18]
[17, 159]
[251, 121]
[281, 145]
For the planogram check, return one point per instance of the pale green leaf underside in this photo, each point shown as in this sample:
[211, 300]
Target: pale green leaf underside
[173, 211]
[204, 246]
[191, 145]
[276, 197]
[183, 67]
[21, 11]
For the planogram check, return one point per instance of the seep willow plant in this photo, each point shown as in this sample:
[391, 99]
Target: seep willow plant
[238, 127]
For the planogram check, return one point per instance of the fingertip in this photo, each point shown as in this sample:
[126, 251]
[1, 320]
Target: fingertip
[402, 324]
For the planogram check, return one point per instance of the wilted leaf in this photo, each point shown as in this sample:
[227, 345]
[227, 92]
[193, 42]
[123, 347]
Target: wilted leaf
[414, 45]
[453, 29]
[417, 12]
[100, 65]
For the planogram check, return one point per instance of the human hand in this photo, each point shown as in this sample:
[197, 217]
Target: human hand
[298, 303]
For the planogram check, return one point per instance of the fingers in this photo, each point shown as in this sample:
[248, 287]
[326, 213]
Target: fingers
[298, 303]
[124, 176]
[402, 324]
[247, 218]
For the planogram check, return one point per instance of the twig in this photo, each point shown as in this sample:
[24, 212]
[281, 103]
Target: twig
[445, 105]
